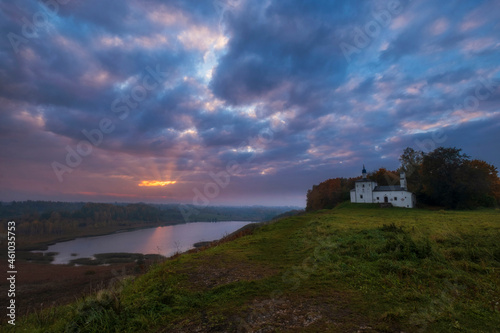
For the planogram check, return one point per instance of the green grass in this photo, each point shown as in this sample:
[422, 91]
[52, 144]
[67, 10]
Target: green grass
[351, 268]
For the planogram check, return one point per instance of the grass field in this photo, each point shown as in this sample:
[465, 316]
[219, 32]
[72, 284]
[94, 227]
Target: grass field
[356, 268]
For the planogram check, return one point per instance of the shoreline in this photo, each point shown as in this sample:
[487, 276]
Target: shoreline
[46, 289]
[42, 248]
[44, 245]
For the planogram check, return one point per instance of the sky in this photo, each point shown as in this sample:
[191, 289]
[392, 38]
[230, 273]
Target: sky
[236, 102]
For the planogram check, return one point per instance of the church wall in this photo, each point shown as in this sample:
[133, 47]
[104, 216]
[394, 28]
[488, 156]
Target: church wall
[363, 192]
[403, 198]
[353, 196]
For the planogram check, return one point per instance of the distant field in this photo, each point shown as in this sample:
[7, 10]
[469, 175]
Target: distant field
[356, 268]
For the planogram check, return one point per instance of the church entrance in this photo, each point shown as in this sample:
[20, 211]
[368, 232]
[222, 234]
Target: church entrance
[386, 199]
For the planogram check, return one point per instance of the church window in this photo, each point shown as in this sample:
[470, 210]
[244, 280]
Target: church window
[395, 198]
[378, 198]
[361, 196]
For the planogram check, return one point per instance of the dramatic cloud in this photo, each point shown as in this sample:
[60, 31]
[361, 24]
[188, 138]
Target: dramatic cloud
[236, 101]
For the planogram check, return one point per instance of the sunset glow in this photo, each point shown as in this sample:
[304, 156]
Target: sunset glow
[149, 183]
[162, 100]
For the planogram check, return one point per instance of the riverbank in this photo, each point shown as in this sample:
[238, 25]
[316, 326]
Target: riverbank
[41, 286]
[42, 243]
[27, 247]
[40, 224]
[28, 250]
[120, 247]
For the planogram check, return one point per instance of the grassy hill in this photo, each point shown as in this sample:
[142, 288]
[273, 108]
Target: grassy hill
[356, 268]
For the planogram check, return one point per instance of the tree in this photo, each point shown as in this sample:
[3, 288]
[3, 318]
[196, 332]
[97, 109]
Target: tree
[479, 184]
[411, 163]
[440, 173]
[385, 177]
[329, 193]
[452, 180]
[411, 160]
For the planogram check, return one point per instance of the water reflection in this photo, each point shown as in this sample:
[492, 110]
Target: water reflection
[159, 237]
[161, 240]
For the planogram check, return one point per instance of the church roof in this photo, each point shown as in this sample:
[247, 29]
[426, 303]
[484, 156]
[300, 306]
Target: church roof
[365, 180]
[388, 188]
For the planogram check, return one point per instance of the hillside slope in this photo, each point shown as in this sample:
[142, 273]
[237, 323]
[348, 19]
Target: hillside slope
[355, 268]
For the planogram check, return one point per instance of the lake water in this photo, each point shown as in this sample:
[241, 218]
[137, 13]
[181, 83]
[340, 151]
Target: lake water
[161, 240]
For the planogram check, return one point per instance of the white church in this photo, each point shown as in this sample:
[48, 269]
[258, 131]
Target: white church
[367, 191]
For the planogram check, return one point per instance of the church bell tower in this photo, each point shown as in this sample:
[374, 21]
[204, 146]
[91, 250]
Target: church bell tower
[402, 180]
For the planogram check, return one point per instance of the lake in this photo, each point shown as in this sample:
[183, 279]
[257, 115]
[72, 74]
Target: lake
[160, 240]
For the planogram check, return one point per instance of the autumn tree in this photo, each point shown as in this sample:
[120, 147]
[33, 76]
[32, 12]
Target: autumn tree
[451, 179]
[440, 176]
[329, 193]
[479, 184]
[385, 177]
[411, 163]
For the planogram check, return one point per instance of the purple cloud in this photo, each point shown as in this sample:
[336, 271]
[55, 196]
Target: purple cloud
[266, 86]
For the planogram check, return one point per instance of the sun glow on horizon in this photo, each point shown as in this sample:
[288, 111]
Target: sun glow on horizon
[156, 183]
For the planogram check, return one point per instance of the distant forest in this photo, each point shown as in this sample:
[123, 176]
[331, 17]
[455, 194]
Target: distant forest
[444, 177]
[47, 218]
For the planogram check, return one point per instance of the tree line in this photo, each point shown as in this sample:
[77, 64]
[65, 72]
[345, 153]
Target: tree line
[444, 177]
[37, 220]
[42, 218]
